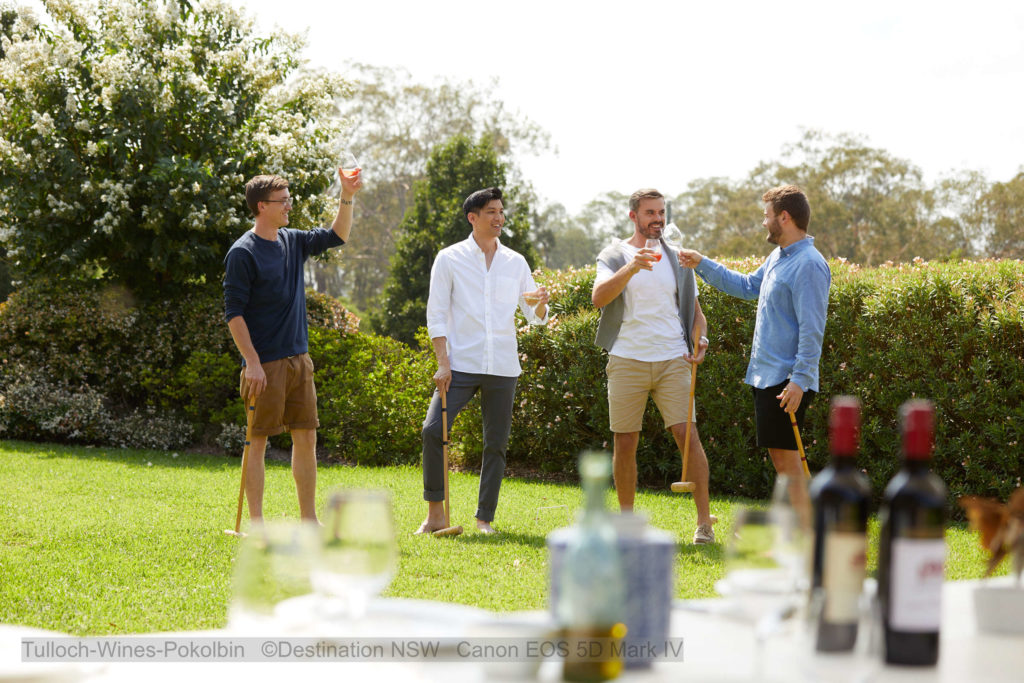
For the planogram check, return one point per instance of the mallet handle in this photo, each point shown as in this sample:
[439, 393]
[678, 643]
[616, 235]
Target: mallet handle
[800, 445]
[250, 410]
[689, 420]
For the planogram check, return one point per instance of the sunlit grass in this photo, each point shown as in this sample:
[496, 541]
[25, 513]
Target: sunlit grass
[96, 540]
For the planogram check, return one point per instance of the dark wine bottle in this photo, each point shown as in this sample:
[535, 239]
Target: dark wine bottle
[912, 552]
[841, 496]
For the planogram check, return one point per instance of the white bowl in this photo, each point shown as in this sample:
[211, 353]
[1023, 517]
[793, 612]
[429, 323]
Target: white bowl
[998, 608]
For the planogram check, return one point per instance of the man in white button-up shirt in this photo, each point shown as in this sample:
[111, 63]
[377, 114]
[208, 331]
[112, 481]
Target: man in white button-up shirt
[475, 287]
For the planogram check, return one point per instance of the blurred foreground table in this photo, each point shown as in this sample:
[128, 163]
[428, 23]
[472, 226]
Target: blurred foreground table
[716, 649]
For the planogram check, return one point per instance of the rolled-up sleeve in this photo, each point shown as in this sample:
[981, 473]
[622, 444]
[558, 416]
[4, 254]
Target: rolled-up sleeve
[528, 284]
[238, 275]
[439, 299]
[810, 304]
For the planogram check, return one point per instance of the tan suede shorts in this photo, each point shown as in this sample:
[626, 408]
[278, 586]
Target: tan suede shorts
[289, 400]
[629, 383]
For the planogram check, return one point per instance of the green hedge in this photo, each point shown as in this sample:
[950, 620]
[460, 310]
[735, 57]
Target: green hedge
[950, 332]
[86, 363]
[90, 365]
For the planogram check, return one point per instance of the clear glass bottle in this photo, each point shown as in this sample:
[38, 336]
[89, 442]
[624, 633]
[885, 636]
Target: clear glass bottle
[590, 607]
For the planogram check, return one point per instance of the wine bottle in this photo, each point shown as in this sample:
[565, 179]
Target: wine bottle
[841, 495]
[591, 600]
[912, 552]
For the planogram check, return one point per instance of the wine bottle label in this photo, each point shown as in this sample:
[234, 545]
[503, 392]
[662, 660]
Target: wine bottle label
[843, 575]
[915, 598]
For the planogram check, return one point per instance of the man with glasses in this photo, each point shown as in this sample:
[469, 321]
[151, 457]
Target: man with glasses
[265, 308]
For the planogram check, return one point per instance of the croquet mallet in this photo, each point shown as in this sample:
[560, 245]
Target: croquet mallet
[448, 529]
[250, 410]
[685, 486]
[800, 445]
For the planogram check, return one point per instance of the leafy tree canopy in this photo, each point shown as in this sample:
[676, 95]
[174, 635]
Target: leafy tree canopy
[396, 121]
[435, 220]
[129, 128]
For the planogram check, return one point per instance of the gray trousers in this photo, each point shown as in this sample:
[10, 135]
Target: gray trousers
[497, 395]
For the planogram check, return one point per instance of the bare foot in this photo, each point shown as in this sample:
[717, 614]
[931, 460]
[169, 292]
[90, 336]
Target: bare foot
[429, 526]
[484, 527]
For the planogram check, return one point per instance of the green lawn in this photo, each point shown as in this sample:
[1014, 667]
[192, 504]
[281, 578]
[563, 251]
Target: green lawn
[100, 541]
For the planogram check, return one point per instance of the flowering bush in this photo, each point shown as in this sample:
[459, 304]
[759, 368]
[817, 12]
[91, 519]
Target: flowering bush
[127, 130]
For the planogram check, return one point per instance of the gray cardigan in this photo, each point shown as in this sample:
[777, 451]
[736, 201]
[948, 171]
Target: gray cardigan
[611, 315]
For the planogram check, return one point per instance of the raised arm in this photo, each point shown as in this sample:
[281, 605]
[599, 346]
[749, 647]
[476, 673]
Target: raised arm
[606, 289]
[736, 284]
[342, 225]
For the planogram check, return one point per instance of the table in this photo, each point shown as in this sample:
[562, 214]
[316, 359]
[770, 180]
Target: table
[716, 649]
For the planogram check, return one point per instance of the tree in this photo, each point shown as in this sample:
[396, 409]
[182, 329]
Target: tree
[866, 205]
[395, 123]
[435, 220]
[562, 241]
[1002, 210]
[721, 217]
[129, 128]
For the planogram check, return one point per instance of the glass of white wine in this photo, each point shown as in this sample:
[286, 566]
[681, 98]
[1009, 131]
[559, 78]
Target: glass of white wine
[358, 554]
[273, 565]
[673, 236]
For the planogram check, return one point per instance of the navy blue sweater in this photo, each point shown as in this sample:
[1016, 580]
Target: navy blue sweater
[263, 283]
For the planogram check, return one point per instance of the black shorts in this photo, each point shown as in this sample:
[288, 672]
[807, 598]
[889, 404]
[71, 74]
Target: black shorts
[774, 429]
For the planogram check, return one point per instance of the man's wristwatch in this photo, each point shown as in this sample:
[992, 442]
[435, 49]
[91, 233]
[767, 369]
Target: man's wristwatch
[705, 340]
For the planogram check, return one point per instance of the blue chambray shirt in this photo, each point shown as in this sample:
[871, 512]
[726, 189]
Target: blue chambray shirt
[791, 288]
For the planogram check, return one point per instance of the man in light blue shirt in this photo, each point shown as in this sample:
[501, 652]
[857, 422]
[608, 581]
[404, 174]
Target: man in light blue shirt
[791, 288]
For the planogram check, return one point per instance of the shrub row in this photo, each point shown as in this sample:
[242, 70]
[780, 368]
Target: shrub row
[90, 365]
[949, 332]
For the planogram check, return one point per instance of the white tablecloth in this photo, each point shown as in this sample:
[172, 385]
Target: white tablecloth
[716, 649]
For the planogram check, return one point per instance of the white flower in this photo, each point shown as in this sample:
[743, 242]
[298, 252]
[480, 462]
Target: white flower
[42, 124]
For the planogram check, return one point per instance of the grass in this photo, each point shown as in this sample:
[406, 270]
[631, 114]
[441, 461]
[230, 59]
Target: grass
[98, 541]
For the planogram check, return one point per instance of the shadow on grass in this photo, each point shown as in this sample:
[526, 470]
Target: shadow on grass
[714, 552]
[133, 457]
[501, 538]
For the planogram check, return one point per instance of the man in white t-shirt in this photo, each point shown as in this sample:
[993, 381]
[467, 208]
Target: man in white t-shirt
[650, 321]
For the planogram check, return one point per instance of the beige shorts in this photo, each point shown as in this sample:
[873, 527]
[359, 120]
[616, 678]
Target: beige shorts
[289, 400]
[629, 383]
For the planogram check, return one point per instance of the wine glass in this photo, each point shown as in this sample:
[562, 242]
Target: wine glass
[349, 166]
[760, 580]
[673, 236]
[358, 553]
[655, 246]
[273, 564]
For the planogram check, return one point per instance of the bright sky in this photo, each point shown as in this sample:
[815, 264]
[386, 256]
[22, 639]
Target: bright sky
[660, 92]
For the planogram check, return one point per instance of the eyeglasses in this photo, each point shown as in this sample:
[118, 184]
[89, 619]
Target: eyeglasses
[287, 200]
